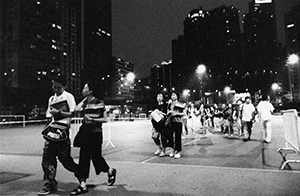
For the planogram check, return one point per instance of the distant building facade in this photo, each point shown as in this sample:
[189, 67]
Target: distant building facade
[161, 78]
[292, 32]
[37, 38]
[124, 83]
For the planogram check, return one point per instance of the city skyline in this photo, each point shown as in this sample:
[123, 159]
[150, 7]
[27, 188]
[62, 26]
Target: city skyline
[143, 35]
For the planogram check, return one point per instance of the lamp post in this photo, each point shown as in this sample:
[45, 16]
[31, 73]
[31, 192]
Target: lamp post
[293, 59]
[200, 71]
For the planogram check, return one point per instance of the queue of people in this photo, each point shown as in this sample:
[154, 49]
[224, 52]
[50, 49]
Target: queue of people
[230, 119]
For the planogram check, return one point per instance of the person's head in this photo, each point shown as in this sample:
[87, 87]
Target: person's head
[239, 102]
[159, 97]
[88, 89]
[247, 99]
[229, 105]
[264, 97]
[174, 96]
[59, 83]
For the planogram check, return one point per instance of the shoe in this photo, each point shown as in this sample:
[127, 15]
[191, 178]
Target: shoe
[79, 190]
[171, 154]
[177, 155]
[245, 139]
[268, 142]
[157, 152]
[162, 154]
[47, 190]
[112, 177]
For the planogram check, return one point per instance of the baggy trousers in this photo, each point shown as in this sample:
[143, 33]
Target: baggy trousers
[92, 150]
[62, 151]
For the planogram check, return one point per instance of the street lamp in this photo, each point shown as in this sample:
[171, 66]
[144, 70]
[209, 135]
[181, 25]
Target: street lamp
[293, 59]
[200, 71]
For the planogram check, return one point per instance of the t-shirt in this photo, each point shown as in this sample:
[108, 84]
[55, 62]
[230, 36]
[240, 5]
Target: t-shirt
[265, 108]
[94, 109]
[247, 111]
[55, 100]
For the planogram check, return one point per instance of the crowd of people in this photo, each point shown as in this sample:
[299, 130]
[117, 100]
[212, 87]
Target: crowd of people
[172, 120]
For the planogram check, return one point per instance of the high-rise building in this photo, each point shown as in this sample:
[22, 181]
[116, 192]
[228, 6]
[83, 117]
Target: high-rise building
[124, 79]
[211, 38]
[38, 37]
[262, 51]
[292, 32]
[161, 78]
[96, 43]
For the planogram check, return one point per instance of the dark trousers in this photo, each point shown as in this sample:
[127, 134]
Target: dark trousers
[92, 151]
[160, 135]
[62, 150]
[175, 130]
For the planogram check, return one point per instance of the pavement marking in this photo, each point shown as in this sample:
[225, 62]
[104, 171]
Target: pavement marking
[168, 151]
[208, 167]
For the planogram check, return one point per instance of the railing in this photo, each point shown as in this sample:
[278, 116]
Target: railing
[13, 122]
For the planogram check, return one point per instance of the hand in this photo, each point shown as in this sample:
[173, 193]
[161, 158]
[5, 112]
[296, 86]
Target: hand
[87, 118]
[53, 111]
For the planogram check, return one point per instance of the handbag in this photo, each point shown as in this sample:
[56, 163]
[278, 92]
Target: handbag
[168, 121]
[56, 131]
[81, 136]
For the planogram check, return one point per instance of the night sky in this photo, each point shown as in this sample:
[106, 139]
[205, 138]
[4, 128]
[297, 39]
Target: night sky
[142, 30]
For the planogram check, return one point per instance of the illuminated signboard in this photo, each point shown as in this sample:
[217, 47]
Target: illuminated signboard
[263, 1]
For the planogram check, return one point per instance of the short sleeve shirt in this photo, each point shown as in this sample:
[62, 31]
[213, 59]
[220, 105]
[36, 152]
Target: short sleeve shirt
[64, 96]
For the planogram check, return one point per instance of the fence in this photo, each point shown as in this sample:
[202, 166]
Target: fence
[291, 136]
[14, 121]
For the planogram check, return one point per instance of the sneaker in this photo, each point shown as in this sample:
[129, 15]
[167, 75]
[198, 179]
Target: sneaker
[177, 155]
[46, 191]
[171, 154]
[162, 154]
[157, 152]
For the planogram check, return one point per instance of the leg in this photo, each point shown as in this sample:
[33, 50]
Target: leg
[85, 160]
[64, 156]
[268, 131]
[49, 165]
[99, 162]
[178, 131]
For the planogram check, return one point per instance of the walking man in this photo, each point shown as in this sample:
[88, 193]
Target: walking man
[247, 114]
[265, 109]
[56, 135]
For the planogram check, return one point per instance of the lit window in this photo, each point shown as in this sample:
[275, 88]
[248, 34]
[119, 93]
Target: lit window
[12, 70]
[38, 36]
[53, 41]
[227, 21]
[59, 27]
[38, 2]
[228, 31]
[290, 25]
[5, 73]
[54, 47]
[53, 25]
[64, 53]
[73, 74]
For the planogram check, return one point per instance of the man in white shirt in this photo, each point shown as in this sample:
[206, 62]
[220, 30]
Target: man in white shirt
[247, 115]
[265, 109]
[57, 142]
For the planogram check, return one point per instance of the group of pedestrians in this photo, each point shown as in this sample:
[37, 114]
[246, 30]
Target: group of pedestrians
[167, 125]
[61, 107]
[191, 117]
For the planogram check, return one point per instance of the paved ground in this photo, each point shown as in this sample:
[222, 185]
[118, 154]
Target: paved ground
[211, 164]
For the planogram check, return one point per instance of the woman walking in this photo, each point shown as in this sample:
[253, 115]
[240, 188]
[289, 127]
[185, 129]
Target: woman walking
[175, 112]
[158, 122]
[90, 146]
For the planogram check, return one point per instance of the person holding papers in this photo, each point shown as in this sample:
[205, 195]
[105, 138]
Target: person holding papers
[94, 115]
[56, 135]
[159, 134]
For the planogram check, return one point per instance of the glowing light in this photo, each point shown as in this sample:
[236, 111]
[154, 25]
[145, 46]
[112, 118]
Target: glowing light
[201, 69]
[293, 59]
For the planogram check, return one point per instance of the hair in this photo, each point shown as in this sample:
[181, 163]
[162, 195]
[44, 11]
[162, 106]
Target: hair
[264, 97]
[248, 97]
[60, 78]
[177, 94]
